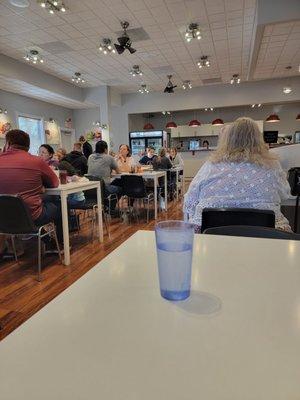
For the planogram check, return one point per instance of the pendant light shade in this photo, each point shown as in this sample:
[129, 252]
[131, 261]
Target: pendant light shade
[194, 123]
[273, 118]
[217, 122]
[171, 124]
[298, 117]
[148, 126]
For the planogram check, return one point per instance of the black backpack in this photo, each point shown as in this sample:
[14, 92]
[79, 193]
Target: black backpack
[294, 180]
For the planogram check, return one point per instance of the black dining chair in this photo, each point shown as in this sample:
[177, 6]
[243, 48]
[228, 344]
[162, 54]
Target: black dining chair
[134, 188]
[15, 220]
[252, 231]
[213, 217]
[92, 204]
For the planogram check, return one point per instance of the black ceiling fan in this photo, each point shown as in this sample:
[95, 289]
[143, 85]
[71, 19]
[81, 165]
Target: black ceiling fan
[170, 87]
[124, 41]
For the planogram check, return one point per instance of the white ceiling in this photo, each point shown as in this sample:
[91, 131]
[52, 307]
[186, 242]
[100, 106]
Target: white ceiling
[227, 27]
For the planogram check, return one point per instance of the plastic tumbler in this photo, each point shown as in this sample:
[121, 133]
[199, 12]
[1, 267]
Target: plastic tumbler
[174, 244]
[63, 177]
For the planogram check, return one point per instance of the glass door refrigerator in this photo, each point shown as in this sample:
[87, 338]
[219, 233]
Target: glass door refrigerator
[140, 140]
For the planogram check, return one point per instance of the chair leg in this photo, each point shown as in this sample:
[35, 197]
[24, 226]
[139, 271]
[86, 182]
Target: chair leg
[57, 244]
[106, 223]
[14, 247]
[39, 257]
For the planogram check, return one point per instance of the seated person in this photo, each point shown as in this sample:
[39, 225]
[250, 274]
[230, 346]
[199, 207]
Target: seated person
[26, 175]
[162, 161]
[149, 157]
[241, 173]
[175, 158]
[77, 159]
[74, 199]
[101, 165]
[46, 152]
[124, 159]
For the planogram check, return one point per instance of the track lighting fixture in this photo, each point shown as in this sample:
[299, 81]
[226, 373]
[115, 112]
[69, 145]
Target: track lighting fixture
[77, 78]
[3, 111]
[135, 71]
[209, 109]
[170, 87]
[235, 80]
[166, 112]
[255, 105]
[287, 90]
[186, 85]
[192, 32]
[124, 41]
[106, 46]
[34, 57]
[204, 62]
[52, 5]
[143, 89]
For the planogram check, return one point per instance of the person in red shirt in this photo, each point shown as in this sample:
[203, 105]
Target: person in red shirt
[26, 175]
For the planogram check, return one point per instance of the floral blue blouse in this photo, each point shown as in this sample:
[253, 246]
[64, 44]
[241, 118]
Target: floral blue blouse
[244, 185]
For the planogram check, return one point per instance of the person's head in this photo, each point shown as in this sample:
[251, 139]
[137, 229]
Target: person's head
[162, 152]
[77, 147]
[81, 139]
[101, 147]
[242, 141]
[124, 150]
[17, 139]
[205, 143]
[173, 152]
[60, 154]
[46, 152]
[150, 152]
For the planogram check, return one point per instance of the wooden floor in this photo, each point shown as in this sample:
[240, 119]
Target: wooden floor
[21, 295]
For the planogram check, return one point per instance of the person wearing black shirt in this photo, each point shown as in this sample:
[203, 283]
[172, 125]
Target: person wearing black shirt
[149, 157]
[86, 147]
[77, 159]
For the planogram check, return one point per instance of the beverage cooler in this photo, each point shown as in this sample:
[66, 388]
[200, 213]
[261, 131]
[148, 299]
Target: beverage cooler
[140, 140]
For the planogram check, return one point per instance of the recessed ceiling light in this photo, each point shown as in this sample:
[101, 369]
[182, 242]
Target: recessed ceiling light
[287, 90]
[19, 3]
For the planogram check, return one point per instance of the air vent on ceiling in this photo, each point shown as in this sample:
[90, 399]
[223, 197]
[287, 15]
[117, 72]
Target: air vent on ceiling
[164, 70]
[135, 34]
[55, 47]
[211, 81]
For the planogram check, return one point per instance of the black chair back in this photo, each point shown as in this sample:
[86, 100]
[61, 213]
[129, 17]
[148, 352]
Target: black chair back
[15, 218]
[213, 217]
[252, 231]
[133, 186]
[294, 180]
[91, 194]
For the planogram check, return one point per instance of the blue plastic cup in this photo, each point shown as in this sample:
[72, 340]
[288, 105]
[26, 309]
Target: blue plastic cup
[174, 244]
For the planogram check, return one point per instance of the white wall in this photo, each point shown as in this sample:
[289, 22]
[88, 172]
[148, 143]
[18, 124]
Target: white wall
[83, 120]
[287, 113]
[15, 103]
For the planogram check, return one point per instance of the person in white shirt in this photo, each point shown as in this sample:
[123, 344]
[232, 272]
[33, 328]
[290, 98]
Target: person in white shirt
[124, 159]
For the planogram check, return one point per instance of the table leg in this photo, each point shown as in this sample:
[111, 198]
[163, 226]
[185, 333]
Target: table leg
[166, 192]
[100, 221]
[177, 184]
[65, 226]
[155, 197]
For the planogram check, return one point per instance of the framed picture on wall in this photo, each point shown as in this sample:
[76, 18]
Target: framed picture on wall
[52, 133]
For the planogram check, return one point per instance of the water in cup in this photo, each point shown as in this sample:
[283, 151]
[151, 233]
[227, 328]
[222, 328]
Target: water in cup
[175, 276]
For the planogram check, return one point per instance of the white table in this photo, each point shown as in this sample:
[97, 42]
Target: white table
[154, 175]
[111, 336]
[63, 191]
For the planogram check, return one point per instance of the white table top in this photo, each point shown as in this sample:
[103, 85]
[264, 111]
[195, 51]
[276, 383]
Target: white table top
[144, 174]
[72, 187]
[111, 336]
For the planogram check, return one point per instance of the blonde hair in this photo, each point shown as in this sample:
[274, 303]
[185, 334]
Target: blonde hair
[242, 141]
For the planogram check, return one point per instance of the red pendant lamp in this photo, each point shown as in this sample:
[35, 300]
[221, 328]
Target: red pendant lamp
[298, 117]
[171, 124]
[217, 122]
[194, 123]
[273, 118]
[148, 126]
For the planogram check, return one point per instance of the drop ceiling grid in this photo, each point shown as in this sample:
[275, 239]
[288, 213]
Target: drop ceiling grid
[280, 47]
[90, 20]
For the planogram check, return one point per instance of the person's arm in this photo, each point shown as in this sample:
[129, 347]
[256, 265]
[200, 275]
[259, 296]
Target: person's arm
[84, 165]
[169, 164]
[143, 160]
[191, 198]
[49, 178]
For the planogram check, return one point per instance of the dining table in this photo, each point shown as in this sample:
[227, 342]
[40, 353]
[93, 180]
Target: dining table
[111, 335]
[63, 190]
[152, 176]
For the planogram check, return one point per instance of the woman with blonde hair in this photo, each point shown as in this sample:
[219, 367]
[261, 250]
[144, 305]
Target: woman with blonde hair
[241, 173]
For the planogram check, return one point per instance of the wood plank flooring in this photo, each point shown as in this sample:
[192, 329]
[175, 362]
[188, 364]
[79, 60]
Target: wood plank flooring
[21, 295]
